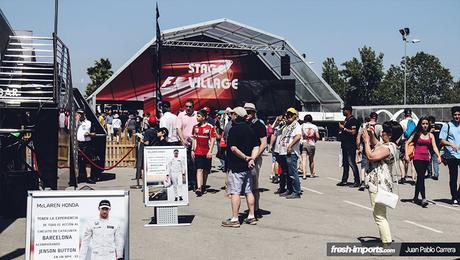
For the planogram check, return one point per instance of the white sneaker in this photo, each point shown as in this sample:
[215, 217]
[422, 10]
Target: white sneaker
[455, 203]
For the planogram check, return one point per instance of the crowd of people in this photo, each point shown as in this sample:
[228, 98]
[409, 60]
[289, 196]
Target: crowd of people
[384, 151]
[116, 122]
[392, 148]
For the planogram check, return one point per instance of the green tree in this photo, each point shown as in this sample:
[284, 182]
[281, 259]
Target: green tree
[454, 97]
[332, 76]
[391, 90]
[98, 74]
[363, 76]
[428, 82]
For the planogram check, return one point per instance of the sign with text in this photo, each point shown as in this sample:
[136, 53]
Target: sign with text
[79, 225]
[165, 176]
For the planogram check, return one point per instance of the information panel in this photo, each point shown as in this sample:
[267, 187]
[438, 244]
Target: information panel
[75, 225]
[165, 176]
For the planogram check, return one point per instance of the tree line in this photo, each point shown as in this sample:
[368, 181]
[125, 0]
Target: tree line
[363, 80]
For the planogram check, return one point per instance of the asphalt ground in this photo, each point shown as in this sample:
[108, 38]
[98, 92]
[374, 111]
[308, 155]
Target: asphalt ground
[290, 229]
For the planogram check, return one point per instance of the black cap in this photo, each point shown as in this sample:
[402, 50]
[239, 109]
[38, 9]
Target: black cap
[347, 107]
[407, 111]
[104, 204]
[164, 130]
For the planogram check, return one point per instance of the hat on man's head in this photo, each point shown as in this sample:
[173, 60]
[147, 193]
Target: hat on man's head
[347, 107]
[104, 204]
[407, 111]
[241, 112]
[164, 130]
[80, 111]
[220, 112]
[207, 109]
[292, 110]
[250, 106]
[228, 110]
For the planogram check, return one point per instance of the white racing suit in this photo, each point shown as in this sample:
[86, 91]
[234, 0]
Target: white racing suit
[176, 169]
[106, 239]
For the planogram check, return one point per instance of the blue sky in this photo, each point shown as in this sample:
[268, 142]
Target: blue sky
[117, 29]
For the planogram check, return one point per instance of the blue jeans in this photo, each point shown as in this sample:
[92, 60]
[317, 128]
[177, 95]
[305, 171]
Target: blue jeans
[433, 163]
[293, 181]
[349, 160]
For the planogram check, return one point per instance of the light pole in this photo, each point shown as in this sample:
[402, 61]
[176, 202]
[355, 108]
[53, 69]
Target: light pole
[405, 32]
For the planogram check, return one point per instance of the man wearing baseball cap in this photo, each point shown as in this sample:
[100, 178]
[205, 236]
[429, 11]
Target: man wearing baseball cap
[261, 132]
[243, 147]
[84, 145]
[289, 153]
[104, 235]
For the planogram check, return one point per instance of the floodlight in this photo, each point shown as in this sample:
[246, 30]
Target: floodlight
[407, 31]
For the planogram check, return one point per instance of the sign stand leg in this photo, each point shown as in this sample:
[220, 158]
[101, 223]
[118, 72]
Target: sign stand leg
[166, 217]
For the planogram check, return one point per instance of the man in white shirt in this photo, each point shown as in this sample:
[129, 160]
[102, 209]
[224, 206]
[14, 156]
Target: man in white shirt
[84, 145]
[103, 235]
[310, 135]
[290, 148]
[62, 120]
[169, 121]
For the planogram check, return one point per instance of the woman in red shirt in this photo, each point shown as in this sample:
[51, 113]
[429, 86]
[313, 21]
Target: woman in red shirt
[204, 138]
[422, 140]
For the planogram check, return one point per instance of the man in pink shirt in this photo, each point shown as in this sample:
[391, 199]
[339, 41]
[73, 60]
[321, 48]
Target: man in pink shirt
[185, 122]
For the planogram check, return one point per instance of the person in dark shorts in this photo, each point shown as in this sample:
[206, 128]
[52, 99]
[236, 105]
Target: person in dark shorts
[203, 140]
[243, 146]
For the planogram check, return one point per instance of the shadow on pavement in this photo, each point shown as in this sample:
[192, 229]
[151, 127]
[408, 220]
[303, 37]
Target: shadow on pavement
[212, 191]
[183, 219]
[14, 254]
[106, 176]
[369, 240]
[407, 200]
[5, 223]
[186, 219]
[445, 201]
[259, 214]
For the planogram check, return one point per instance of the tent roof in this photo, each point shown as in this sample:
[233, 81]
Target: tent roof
[310, 87]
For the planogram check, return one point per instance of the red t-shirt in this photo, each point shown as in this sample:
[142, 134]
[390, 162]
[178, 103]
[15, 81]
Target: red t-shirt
[202, 134]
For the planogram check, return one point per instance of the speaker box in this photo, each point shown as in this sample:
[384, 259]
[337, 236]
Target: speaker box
[285, 65]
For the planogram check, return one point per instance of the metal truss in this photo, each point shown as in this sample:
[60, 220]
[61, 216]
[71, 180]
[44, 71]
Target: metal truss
[220, 45]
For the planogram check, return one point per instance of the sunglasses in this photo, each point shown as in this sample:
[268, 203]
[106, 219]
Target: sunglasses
[188, 106]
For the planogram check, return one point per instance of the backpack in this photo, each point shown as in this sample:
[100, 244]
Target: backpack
[410, 128]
